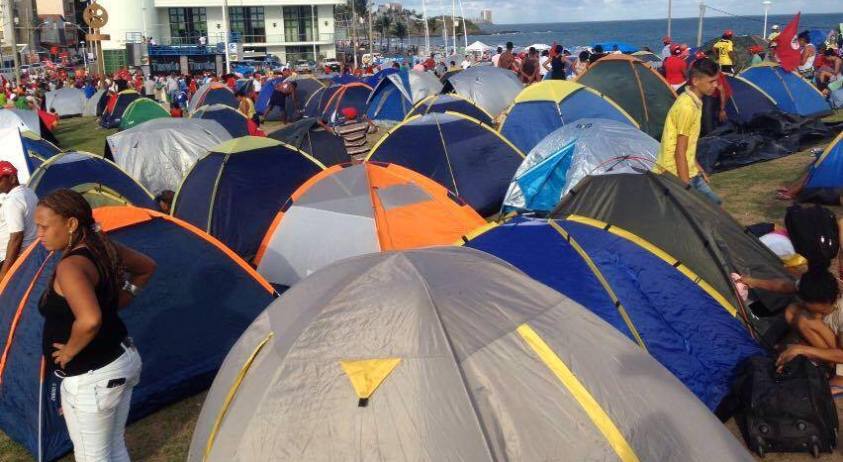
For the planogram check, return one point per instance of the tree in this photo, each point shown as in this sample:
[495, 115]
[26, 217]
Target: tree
[383, 26]
[400, 31]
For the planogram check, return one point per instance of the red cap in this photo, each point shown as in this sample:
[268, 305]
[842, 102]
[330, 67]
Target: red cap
[666, 39]
[6, 168]
[349, 113]
[728, 33]
[675, 49]
[700, 55]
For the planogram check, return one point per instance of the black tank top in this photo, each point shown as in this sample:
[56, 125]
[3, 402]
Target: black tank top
[58, 321]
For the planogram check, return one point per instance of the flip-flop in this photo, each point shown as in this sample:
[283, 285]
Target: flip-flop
[784, 196]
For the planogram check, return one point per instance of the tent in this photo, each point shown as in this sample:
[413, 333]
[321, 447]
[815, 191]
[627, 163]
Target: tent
[159, 154]
[328, 103]
[140, 111]
[212, 93]
[234, 192]
[350, 210]
[92, 104]
[25, 150]
[490, 88]
[265, 94]
[376, 78]
[116, 107]
[623, 47]
[234, 121]
[101, 181]
[792, 93]
[569, 154]
[686, 225]
[546, 106]
[741, 45]
[21, 119]
[649, 57]
[747, 101]
[199, 285]
[306, 86]
[635, 287]
[478, 47]
[451, 103]
[460, 153]
[634, 86]
[827, 171]
[395, 95]
[308, 136]
[445, 354]
[65, 102]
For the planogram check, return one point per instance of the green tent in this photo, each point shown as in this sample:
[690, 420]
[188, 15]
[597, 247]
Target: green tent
[634, 86]
[141, 110]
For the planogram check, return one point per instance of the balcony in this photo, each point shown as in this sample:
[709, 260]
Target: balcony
[286, 39]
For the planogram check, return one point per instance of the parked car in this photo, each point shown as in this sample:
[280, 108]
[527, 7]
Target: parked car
[331, 65]
[303, 65]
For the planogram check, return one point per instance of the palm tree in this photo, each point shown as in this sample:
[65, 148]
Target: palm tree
[383, 24]
[400, 31]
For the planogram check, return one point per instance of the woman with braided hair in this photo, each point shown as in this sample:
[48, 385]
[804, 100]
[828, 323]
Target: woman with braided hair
[84, 341]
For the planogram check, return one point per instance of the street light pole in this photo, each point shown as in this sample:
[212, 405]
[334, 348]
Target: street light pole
[225, 36]
[700, 27]
[669, 17]
[371, 42]
[767, 4]
[354, 31]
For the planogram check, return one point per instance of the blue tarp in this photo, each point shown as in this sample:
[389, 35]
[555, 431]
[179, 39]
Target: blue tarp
[196, 287]
[622, 46]
[236, 204]
[792, 93]
[682, 327]
[460, 154]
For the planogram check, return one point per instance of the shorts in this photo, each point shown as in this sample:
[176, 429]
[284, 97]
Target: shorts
[699, 185]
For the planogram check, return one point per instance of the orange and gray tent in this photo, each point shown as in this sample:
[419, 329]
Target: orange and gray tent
[234, 192]
[199, 285]
[350, 210]
[546, 106]
[636, 87]
[460, 153]
[99, 180]
[701, 235]
[445, 353]
[642, 291]
[451, 103]
[212, 93]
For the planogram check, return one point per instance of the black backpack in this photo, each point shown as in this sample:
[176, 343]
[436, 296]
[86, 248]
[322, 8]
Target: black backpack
[814, 233]
[787, 411]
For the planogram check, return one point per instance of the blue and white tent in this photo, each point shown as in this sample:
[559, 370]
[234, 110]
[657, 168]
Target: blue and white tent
[396, 94]
[792, 93]
[827, 171]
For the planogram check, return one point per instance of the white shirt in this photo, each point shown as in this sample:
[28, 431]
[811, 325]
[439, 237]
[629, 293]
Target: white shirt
[18, 216]
[256, 84]
[466, 64]
[542, 60]
[666, 51]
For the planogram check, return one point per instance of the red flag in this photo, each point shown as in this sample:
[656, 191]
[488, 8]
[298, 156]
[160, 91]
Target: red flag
[787, 46]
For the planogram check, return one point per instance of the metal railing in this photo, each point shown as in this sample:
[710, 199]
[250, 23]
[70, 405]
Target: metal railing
[212, 39]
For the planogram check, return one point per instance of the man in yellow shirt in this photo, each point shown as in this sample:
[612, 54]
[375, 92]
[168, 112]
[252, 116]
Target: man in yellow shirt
[725, 51]
[678, 153]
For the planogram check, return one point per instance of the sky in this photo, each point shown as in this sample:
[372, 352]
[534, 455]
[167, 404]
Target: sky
[533, 11]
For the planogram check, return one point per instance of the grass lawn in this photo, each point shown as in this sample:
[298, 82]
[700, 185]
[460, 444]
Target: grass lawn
[165, 436]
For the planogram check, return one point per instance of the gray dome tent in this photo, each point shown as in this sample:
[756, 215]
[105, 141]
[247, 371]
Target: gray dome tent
[66, 102]
[445, 354]
[491, 88]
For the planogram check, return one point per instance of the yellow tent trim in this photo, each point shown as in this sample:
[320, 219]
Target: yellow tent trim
[646, 245]
[606, 286]
[548, 90]
[829, 148]
[366, 375]
[231, 393]
[598, 416]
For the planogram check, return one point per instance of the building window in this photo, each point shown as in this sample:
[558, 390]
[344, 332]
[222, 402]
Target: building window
[296, 53]
[300, 25]
[247, 21]
[187, 24]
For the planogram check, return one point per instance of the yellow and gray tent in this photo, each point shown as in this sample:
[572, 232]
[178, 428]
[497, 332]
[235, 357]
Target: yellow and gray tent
[445, 354]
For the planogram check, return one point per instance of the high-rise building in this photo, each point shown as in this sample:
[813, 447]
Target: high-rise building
[288, 29]
[486, 16]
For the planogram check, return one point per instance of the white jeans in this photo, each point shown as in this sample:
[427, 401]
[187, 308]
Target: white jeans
[96, 414]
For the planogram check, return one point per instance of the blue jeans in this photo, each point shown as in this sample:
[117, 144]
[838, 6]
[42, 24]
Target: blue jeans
[698, 184]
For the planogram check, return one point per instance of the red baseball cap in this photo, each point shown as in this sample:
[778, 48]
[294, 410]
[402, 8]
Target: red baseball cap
[728, 33]
[6, 168]
[349, 112]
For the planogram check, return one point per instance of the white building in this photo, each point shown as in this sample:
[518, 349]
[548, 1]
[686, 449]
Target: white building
[288, 29]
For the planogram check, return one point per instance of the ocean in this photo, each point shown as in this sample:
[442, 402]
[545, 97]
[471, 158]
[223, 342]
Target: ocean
[641, 33]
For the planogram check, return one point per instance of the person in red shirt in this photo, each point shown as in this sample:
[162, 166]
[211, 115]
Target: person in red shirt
[675, 68]
[231, 82]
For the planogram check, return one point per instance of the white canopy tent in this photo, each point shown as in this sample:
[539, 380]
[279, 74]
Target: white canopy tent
[478, 47]
[539, 46]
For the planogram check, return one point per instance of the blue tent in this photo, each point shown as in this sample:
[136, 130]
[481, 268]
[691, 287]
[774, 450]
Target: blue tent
[747, 101]
[569, 154]
[827, 171]
[234, 122]
[37, 148]
[622, 46]
[462, 154]
[818, 37]
[266, 93]
[328, 103]
[452, 103]
[235, 191]
[396, 94]
[101, 181]
[792, 93]
[543, 107]
[199, 286]
[644, 293]
[25, 150]
[343, 79]
[116, 106]
[375, 79]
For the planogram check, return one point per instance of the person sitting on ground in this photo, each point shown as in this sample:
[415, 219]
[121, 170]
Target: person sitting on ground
[353, 132]
[809, 53]
[164, 199]
[678, 152]
[830, 70]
